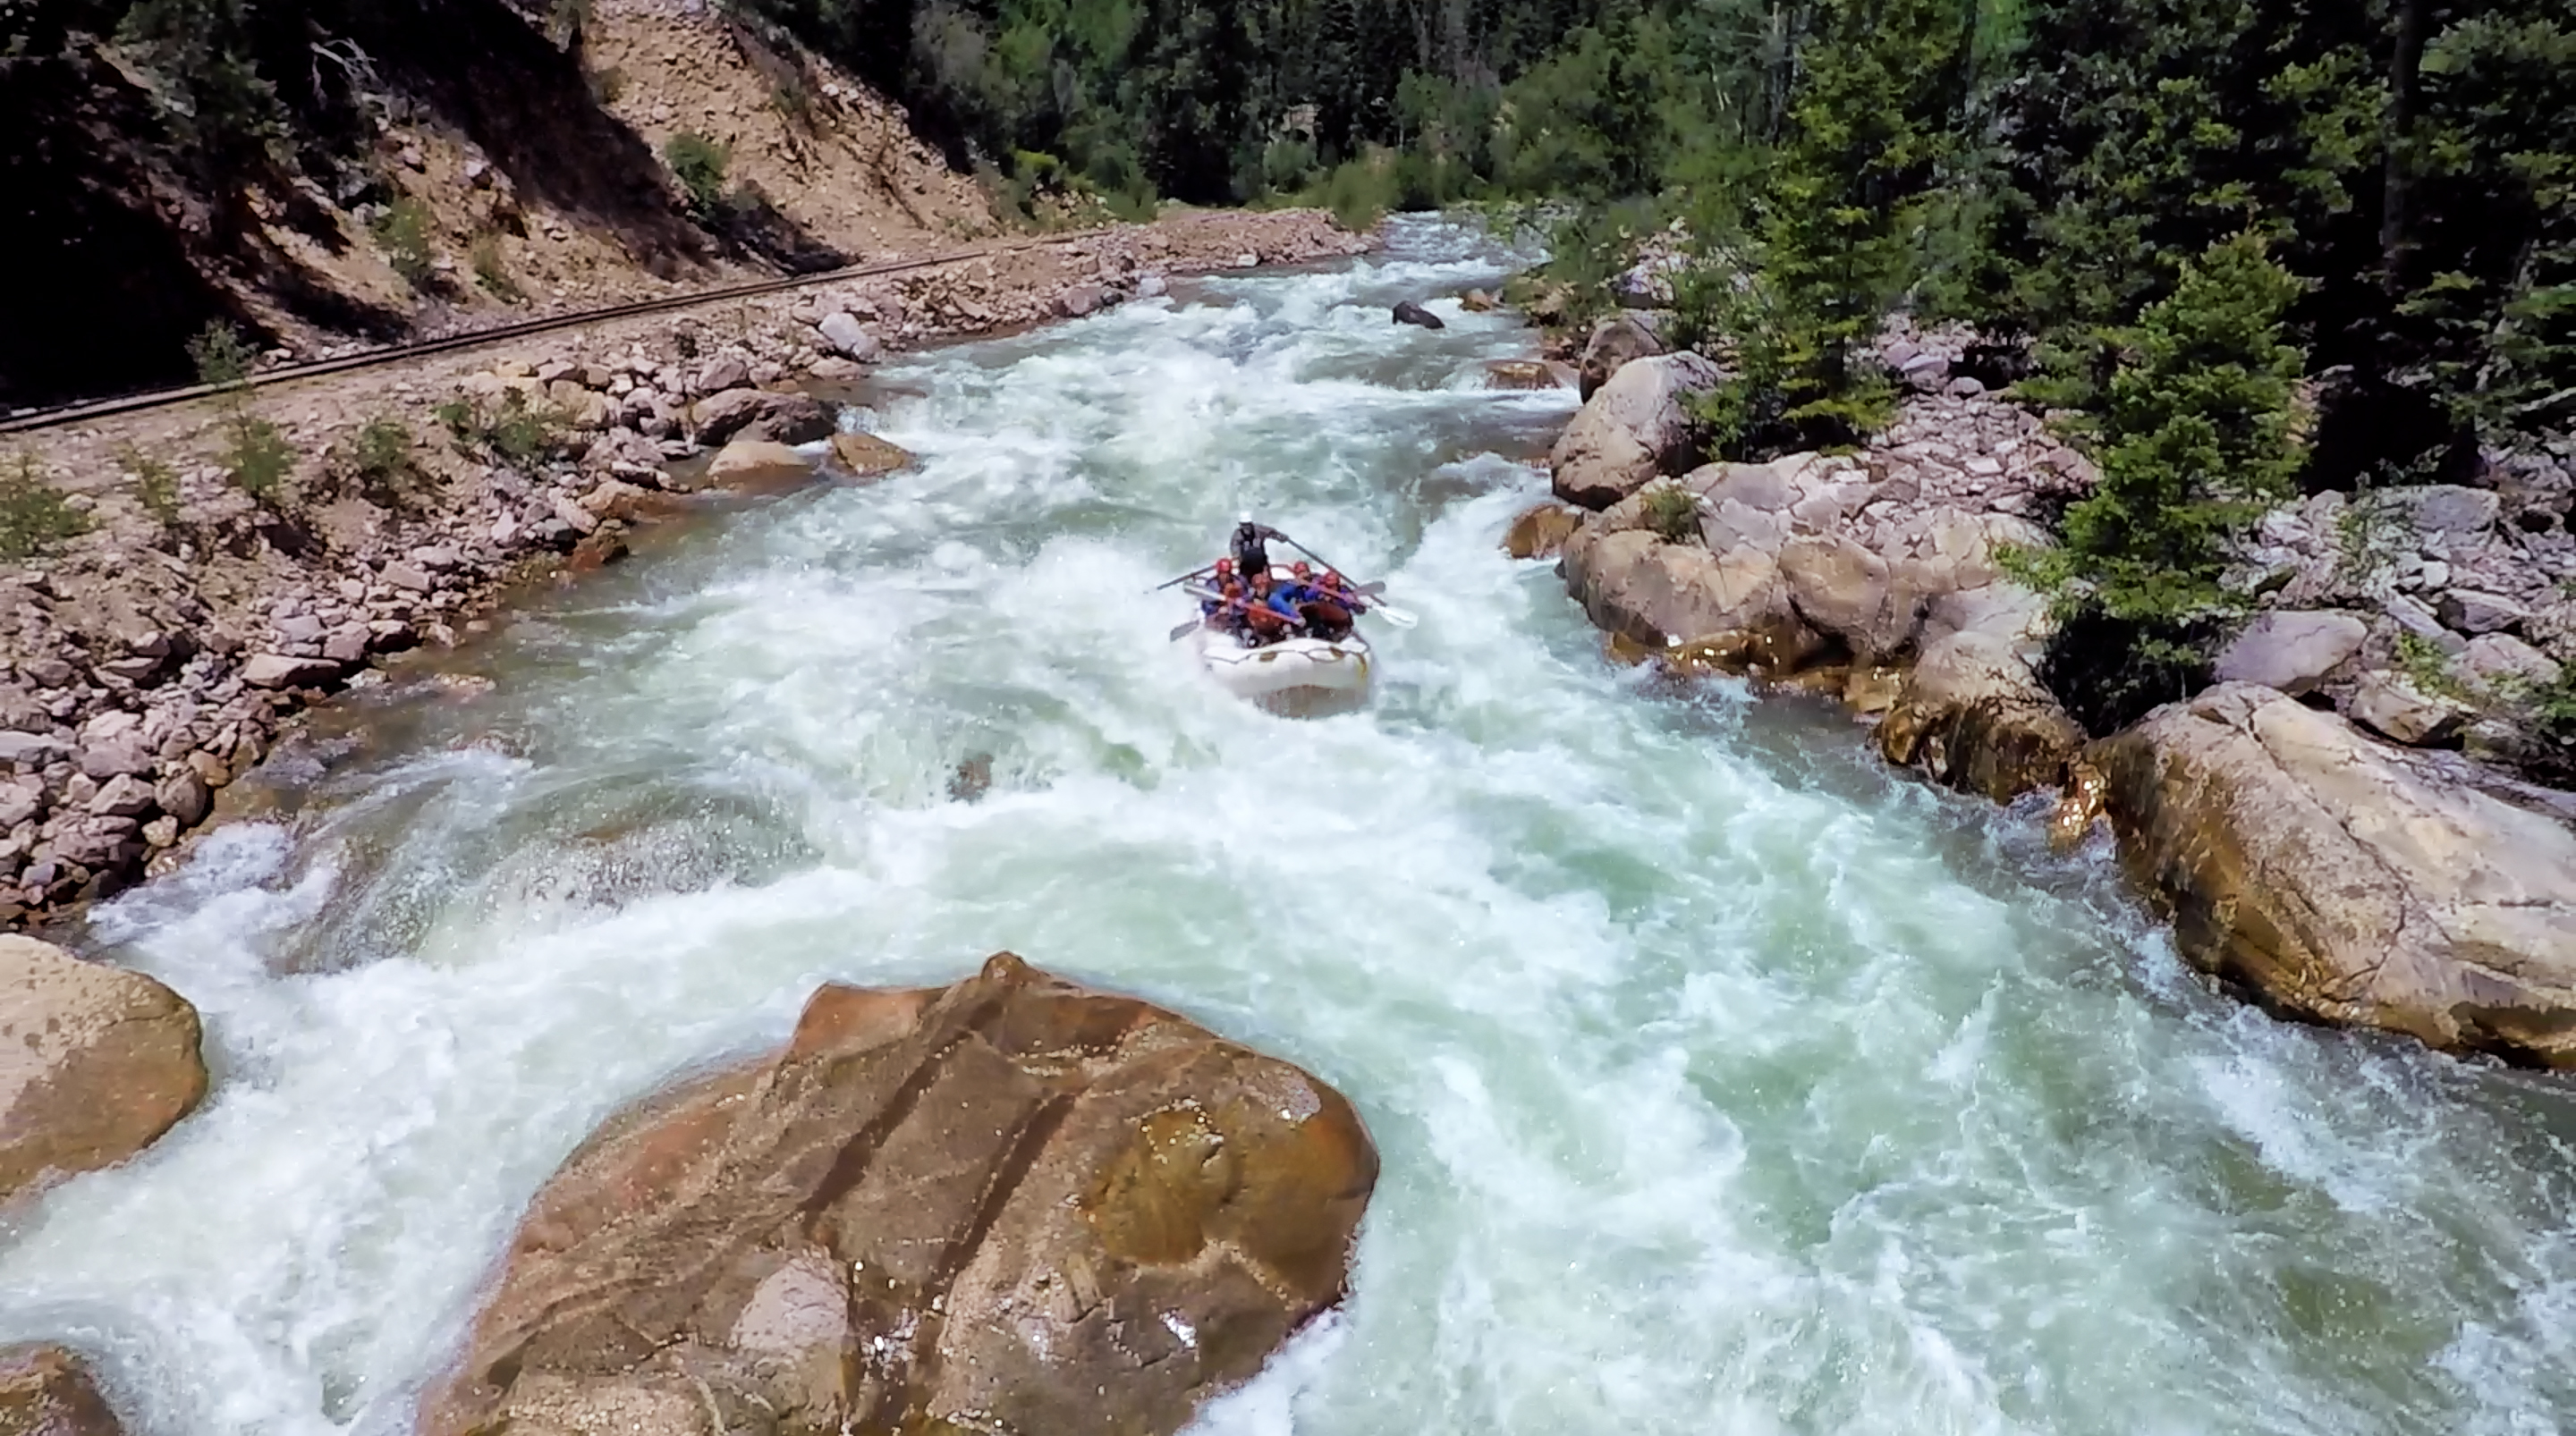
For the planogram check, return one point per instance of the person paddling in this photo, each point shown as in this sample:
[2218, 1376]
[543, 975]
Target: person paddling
[1318, 606]
[1251, 547]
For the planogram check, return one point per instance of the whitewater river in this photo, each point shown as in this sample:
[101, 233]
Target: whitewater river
[1726, 1082]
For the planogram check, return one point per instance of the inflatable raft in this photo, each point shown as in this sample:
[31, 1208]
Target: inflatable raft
[1293, 675]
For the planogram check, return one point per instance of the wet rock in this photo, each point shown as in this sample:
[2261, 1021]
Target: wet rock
[598, 550]
[2392, 705]
[282, 671]
[747, 463]
[95, 1063]
[2346, 881]
[1634, 429]
[1077, 300]
[1612, 345]
[1542, 531]
[2290, 650]
[1974, 716]
[1409, 312]
[48, 1391]
[1837, 585]
[849, 338]
[1477, 301]
[866, 456]
[1011, 1204]
[1521, 374]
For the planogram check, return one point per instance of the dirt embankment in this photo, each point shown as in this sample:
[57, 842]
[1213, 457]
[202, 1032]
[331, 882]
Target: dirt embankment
[443, 167]
[151, 659]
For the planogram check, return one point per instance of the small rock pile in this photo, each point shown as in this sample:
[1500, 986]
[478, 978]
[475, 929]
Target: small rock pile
[2429, 614]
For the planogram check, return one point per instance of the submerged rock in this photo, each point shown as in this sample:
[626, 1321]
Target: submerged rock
[1542, 531]
[47, 1391]
[868, 456]
[2347, 881]
[95, 1063]
[1008, 1205]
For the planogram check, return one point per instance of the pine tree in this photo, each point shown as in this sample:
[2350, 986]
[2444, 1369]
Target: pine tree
[1838, 221]
[2195, 441]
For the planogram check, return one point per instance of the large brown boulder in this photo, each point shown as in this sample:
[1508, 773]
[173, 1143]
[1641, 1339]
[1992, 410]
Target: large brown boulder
[47, 1391]
[1635, 428]
[1009, 1205]
[1634, 584]
[1974, 716]
[2347, 881]
[1613, 343]
[759, 414]
[95, 1063]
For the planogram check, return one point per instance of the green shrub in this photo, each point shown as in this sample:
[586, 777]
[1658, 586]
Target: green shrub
[699, 163]
[258, 458]
[156, 486]
[402, 231]
[2195, 442]
[492, 274]
[511, 430]
[222, 357]
[34, 515]
[793, 101]
[1672, 511]
[379, 460]
[607, 85]
[256, 454]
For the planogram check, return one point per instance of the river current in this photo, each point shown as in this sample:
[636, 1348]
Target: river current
[1726, 1082]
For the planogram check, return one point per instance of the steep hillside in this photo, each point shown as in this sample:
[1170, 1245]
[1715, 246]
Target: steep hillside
[413, 168]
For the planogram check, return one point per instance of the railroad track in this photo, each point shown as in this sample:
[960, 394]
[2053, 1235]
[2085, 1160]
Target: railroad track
[28, 421]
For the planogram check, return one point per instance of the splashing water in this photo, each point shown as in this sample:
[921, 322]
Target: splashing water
[1725, 1082]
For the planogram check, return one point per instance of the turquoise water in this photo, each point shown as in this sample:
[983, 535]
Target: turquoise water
[1725, 1081]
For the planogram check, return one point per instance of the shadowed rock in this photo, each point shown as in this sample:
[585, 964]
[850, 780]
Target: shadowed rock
[1010, 1205]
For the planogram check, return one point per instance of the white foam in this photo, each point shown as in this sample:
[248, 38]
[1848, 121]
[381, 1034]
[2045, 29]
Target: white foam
[1724, 1081]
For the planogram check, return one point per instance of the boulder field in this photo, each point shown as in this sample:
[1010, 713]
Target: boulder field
[1010, 1205]
[2297, 821]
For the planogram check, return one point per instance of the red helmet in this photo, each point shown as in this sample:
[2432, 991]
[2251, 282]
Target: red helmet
[1225, 566]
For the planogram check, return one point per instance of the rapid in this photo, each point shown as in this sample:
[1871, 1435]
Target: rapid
[1726, 1082]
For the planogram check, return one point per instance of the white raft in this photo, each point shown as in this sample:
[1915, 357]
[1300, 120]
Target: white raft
[1293, 675]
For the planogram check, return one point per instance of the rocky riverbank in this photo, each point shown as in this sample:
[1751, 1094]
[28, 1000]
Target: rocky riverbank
[151, 658]
[2347, 824]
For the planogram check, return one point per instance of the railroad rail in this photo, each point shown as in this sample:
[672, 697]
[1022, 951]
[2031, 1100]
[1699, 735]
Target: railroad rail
[28, 421]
